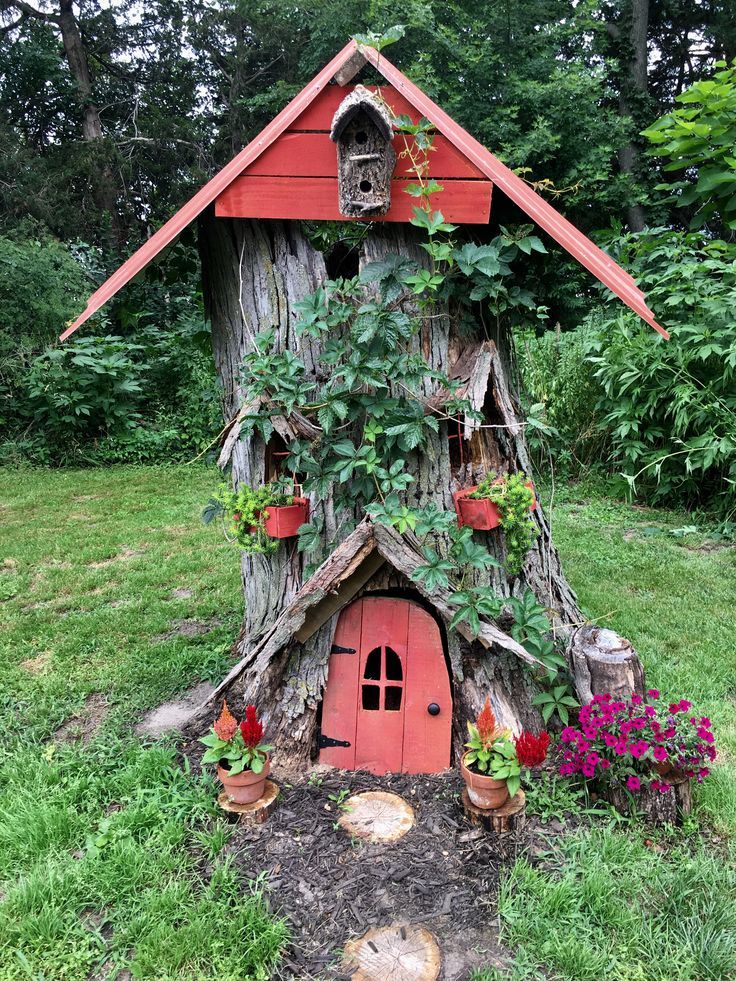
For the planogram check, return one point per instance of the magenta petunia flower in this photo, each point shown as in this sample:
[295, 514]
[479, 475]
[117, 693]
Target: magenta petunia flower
[653, 693]
[660, 754]
[636, 699]
[633, 783]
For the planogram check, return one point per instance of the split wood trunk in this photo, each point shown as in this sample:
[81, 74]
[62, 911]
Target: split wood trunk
[603, 662]
[255, 272]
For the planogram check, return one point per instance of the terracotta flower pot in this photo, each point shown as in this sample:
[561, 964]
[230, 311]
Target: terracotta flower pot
[483, 515]
[245, 787]
[483, 791]
[666, 769]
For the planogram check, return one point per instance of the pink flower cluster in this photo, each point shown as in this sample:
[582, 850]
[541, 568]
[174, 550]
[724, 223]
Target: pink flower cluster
[634, 740]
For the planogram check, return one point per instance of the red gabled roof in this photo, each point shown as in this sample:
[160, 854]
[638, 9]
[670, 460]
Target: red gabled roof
[348, 62]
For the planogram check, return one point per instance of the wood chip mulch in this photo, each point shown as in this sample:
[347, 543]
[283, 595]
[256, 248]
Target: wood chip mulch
[443, 874]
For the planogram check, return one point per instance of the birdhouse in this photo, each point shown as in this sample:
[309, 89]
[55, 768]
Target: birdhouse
[362, 129]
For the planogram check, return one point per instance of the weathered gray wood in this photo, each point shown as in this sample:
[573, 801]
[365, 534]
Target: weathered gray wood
[501, 820]
[653, 806]
[601, 661]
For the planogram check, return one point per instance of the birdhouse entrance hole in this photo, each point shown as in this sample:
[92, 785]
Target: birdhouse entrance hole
[387, 706]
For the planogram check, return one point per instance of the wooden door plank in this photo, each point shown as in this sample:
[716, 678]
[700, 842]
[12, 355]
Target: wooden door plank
[379, 734]
[339, 702]
[427, 738]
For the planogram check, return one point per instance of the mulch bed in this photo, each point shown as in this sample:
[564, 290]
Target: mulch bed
[443, 874]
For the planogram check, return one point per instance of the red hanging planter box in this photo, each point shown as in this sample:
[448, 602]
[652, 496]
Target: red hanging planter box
[482, 515]
[285, 522]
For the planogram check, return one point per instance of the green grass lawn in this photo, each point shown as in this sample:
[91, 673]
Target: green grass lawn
[112, 857]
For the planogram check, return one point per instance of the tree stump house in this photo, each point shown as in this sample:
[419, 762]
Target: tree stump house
[356, 664]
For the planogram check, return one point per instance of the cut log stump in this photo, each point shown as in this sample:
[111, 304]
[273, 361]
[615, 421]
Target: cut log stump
[500, 820]
[601, 661]
[377, 816]
[653, 806]
[393, 953]
[251, 814]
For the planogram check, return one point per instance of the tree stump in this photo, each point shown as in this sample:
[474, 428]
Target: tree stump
[654, 807]
[500, 820]
[393, 953]
[251, 814]
[377, 816]
[602, 661]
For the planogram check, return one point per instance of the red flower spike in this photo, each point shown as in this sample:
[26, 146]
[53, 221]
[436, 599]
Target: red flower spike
[227, 725]
[531, 750]
[251, 728]
[486, 723]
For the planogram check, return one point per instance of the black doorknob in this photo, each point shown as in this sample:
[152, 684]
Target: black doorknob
[433, 708]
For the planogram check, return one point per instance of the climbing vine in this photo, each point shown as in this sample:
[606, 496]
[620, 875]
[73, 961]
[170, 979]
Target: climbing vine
[369, 402]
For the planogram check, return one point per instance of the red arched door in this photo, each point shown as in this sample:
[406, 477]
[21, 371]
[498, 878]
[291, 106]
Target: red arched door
[387, 706]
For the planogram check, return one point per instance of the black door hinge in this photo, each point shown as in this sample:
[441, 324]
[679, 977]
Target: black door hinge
[325, 742]
[336, 649]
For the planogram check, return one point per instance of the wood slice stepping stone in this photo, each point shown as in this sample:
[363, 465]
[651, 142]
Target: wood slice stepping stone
[377, 816]
[250, 814]
[510, 817]
[393, 953]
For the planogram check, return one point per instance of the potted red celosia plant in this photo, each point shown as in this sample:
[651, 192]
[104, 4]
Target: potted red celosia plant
[242, 759]
[490, 768]
[531, 749]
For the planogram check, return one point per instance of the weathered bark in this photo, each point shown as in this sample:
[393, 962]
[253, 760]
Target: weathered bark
[652, 806]
[603, 662]
[254, 273]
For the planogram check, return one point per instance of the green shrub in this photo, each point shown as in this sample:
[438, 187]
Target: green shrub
[86, 389]
[561, 394]
[42, 285]
[670, 407]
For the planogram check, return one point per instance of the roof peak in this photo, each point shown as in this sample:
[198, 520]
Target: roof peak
[341, 70]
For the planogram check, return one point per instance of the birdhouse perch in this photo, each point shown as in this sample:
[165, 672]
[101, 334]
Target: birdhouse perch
[362, 129]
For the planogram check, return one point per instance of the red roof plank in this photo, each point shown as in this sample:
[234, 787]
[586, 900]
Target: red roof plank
[315, 199]
[565, 233]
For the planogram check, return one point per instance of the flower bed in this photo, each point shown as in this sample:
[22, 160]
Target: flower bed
[637, 745]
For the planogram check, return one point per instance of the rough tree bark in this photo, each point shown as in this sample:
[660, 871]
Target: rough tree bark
[254, 273]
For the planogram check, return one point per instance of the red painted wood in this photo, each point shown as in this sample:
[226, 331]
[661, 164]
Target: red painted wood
[285, 522]
[380, 734]
[563, 231]
[315, 155]
[318, 115]
[339, 702]
[427, 738]
[315, 198]
[388, 741]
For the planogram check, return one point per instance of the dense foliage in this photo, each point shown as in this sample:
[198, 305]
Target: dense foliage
[670, 408]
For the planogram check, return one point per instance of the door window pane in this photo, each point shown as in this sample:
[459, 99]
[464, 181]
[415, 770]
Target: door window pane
[373, 665]
[392, 699]
[393, 666]
[371, 697]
